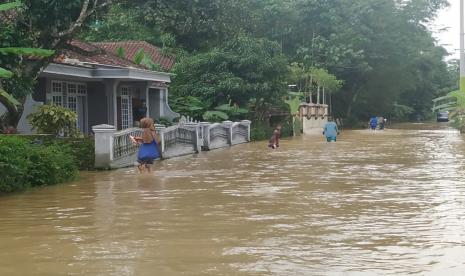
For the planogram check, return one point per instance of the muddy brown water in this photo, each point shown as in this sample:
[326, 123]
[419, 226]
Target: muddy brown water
[389, 203]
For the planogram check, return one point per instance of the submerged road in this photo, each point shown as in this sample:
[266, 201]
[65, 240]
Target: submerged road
[389, 203]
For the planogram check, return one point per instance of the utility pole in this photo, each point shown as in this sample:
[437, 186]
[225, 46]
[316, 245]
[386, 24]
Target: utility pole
[462, 46]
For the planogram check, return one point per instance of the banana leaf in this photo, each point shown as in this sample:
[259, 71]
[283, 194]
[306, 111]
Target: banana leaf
[139, 56]
[231, 109]
[27, 51]
[9, 6]
[5, 73]
[8, 101]
[212, 115]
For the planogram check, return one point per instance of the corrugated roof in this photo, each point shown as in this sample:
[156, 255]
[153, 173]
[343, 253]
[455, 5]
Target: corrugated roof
[132, 47]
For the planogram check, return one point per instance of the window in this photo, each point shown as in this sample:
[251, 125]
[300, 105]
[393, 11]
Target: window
[57, 100]
[57, 87]
[71, 95]
[126, 107]
[82, 89]
[72, 88]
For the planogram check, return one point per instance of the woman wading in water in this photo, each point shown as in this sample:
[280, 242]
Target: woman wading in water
[149, 149]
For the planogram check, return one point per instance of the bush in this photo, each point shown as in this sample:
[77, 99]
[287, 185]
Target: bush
[164, 121]
[24, 165]
[352, 122]
[54, 120]
[262, 131]
[81, 149]
[402, 112]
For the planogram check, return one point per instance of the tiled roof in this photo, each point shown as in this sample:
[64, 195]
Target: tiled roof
[79, 52]
[132, 47]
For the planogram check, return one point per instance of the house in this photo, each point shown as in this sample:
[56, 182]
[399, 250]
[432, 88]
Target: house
[103, 88]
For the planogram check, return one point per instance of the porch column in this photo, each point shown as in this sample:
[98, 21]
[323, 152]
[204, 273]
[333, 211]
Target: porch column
[115, 103]
[147, 103]
[163, 99]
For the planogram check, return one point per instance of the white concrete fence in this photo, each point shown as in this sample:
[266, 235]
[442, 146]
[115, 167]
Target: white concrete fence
[114, 149]
[313, 117]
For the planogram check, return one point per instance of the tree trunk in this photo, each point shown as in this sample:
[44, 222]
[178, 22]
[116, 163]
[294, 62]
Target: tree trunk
[354, 99]
[318, 95]
[324, 95]
[330, 106]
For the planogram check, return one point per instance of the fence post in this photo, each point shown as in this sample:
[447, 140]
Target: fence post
[205, 126]
[159, 128]
[228, 125]
[195, 127]
[103, 145]
[248, 124]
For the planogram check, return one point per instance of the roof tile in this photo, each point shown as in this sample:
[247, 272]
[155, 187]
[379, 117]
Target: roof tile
[82, 52]
[132, 47]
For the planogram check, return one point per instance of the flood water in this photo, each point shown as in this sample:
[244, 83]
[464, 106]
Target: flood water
[389, 203]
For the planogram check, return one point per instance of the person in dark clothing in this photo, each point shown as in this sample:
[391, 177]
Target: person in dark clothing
[140, 111]
[382, 124]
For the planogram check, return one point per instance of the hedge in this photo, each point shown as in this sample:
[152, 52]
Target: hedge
[82, 149]
[24, 164]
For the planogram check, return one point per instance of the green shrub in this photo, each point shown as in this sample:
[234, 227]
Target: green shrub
[263, 131]
[24, 165]
[81, 149]
[352, 122]
[50, 165]
[14, 164]
[164, 121]
[54, 120]
[260, 132]
[402, 112]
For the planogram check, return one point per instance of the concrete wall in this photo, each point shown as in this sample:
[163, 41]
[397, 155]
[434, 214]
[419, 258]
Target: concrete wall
[313, 125]
[158, 104]
[165, 109]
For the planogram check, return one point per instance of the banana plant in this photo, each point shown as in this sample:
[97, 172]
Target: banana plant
[5, 98]
[232, 110]
[198, 109]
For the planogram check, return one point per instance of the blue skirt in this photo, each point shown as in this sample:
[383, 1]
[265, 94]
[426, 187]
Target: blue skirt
[148, 152]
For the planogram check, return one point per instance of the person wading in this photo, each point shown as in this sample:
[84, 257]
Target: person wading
[330, 131]
[274, 140]
[373, 123]
[149, 149]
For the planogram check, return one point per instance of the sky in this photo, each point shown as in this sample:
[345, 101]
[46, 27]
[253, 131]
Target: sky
[449, 18]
